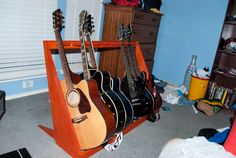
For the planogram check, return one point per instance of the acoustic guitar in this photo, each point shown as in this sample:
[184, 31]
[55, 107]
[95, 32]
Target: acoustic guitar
[115, 81]
[101, 77]
[132, 85]
[93, 123]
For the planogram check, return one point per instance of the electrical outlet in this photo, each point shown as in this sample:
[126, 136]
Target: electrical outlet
[27, 84]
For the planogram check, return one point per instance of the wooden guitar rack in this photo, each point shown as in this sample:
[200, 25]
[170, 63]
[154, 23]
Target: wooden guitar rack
[63, 131]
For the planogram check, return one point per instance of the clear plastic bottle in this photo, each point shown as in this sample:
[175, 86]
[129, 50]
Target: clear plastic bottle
[191, 68]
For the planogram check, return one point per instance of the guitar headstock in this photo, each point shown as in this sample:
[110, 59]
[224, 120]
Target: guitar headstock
[121, 32]
[86, 22]
[129, 32]
[58, 20]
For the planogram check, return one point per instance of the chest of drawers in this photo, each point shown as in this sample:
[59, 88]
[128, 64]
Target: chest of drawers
[145, 28]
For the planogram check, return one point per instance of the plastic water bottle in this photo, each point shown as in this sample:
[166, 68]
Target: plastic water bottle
[191, 68]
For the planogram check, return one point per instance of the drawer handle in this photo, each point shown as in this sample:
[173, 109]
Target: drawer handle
[153, 19]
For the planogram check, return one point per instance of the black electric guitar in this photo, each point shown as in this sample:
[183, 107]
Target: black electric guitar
[133, 86]
[102, 77]
[115, 81]
[141, 76]
[150, 85]
[93, 123]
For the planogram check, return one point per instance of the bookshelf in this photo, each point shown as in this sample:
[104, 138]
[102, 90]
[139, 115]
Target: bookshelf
[223, 80]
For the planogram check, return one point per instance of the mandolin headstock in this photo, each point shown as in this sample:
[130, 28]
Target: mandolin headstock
[58, 20]
[121, 32]
[129, 33]
[86, 22]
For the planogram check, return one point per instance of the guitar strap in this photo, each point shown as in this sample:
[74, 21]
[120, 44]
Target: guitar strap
[115, 145]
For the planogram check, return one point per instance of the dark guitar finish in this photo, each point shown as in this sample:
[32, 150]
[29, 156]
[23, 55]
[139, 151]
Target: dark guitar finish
[111, 98]
[140, 98]
[115, 82]
[149, 91]
[133, 86]
[116, 87]
[150, 84]
[102, 78]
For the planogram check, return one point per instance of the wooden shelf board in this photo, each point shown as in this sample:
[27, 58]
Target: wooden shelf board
[230, 22]
[225, 51]
[225, 74]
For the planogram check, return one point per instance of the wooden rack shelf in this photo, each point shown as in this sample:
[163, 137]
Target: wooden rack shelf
[63, 132]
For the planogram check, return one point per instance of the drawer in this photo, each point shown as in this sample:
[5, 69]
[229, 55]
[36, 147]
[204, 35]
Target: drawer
[147, 18]
[148, 51]
[149, 64]
[145, 33]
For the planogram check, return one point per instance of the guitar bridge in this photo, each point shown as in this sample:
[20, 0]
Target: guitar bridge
[79, 119]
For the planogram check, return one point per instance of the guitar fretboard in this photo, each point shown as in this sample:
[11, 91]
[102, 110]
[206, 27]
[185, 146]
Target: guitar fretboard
[91, 51]
[64, 62]
[133, 62]
[128, 71]
[84, 55]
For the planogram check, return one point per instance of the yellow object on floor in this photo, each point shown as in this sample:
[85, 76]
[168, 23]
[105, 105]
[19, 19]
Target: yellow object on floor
[212, 102]
[207, 108]
[197, 88]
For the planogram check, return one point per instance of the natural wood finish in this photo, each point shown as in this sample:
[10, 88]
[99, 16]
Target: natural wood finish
[93, 123]
[148, 51]
[148, 18]
[91, 132]
[145, 34]
[145, 27]
[63, 131]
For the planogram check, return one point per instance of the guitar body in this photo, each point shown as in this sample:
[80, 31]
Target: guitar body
[113, 101]
[150, 84]
[97, 124]
[142, 101]
[92, 121]
[115, 84]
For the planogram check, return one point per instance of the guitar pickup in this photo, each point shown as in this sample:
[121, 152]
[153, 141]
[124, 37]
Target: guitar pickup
[136, 104]
[79, 119]
[134, 100]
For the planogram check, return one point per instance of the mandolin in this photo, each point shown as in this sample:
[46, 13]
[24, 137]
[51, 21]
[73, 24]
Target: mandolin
[93, 123]
[101, 77]
[115, 81]
[132, 85]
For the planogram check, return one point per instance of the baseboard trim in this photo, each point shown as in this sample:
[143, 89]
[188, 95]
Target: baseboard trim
[26, 94]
